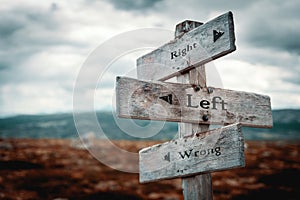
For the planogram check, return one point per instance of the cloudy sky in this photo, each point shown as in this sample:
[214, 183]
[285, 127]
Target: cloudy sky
[45, 44]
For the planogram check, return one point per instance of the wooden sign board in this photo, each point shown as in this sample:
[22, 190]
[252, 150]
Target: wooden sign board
[188, 103]
[196, 47]
[215, 150]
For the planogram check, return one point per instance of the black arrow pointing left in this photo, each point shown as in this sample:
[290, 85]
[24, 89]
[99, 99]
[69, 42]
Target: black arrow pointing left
[167, 98]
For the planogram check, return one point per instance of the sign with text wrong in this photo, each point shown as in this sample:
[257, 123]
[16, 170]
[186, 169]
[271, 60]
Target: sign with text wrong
[214, 150]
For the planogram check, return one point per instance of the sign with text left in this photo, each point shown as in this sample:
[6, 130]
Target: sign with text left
[176, 102]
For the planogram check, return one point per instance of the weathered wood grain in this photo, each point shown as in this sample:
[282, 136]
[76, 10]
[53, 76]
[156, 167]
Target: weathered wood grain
[190, 103]
[199, 186]
[215, 150]
[196, 47]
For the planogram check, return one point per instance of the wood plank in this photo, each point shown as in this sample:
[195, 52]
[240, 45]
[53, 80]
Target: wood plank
[196, 47]
[199, 186]
[215, 150]
[190, 103]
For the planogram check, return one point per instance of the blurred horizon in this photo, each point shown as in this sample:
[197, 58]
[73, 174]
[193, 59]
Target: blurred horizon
[104, 125]
[95, 111]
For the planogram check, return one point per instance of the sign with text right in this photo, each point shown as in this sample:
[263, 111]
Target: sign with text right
[196, 47]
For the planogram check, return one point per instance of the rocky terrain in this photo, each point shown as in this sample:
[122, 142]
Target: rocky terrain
[60, 169]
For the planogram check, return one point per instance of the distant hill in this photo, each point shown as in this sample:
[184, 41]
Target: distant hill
[286, 127]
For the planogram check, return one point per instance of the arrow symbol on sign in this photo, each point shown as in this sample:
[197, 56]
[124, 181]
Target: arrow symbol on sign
[217, 34]
[167, 98]
[167, 157]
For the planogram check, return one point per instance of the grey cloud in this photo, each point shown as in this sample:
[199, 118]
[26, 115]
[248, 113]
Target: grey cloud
[8, 27]
[270, 36]
[54, 7]
[276, 27]
[221, 5]
[280, 37]
[12, 24]
[134, 5]
[3, 66]
[20, 25]
[25, 31]
[293, 79]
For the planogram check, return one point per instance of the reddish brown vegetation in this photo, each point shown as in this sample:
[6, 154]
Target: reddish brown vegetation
[49, 169]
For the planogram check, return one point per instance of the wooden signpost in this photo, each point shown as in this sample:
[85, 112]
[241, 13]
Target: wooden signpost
[194, 48]
[214, 150]
[197, 151]
[189, 103]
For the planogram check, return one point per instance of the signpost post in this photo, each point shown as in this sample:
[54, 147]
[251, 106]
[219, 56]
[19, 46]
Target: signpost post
[197, 151]
[199, 186]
